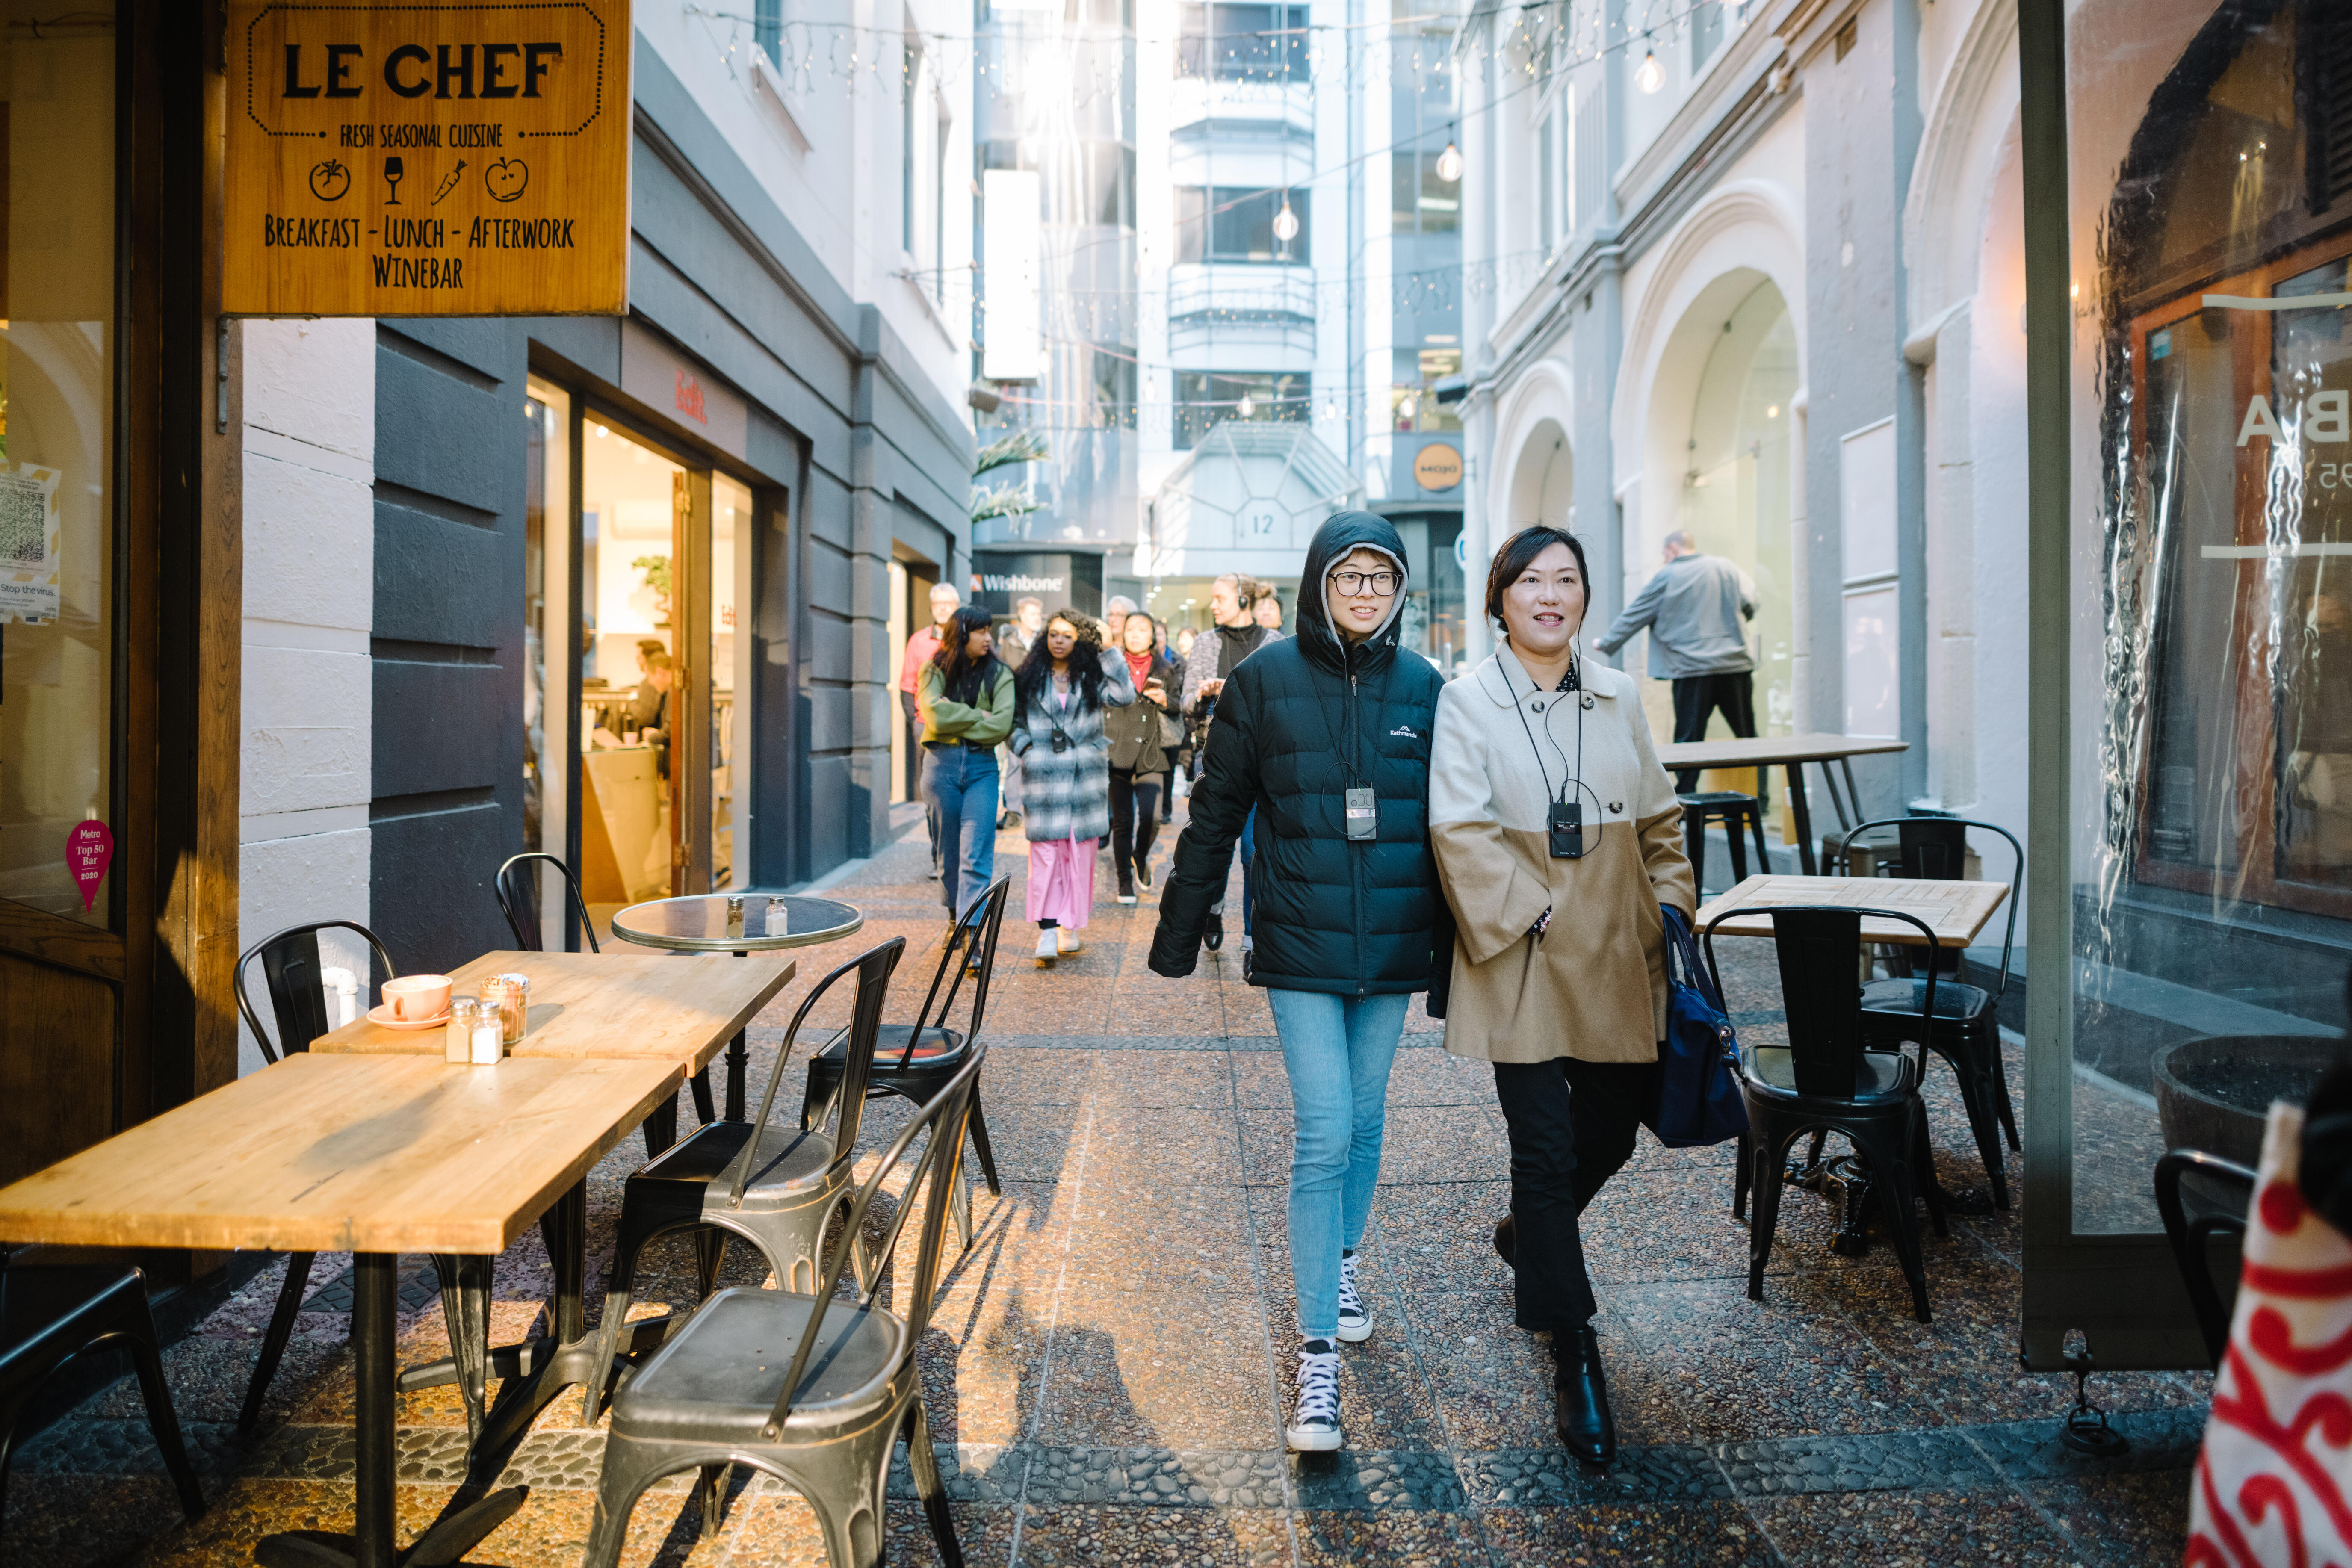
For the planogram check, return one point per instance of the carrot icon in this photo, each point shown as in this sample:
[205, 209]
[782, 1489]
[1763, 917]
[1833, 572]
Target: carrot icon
[448, 182]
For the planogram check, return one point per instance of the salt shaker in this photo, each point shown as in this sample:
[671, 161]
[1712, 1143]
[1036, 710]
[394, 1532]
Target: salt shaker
[488, 1048]
[458, 1034]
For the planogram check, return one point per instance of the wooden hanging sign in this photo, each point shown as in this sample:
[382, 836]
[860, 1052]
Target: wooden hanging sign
[462, 159]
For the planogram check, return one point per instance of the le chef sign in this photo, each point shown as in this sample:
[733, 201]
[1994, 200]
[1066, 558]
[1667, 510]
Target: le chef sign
[460, 159]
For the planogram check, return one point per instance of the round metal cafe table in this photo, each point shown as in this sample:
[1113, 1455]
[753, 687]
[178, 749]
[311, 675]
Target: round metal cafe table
[741, 924]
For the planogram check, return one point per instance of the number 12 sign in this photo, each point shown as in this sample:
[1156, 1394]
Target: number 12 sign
[468, 159]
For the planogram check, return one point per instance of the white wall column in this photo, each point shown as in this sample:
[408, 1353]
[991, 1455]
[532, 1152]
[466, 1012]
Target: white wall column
[310, 602]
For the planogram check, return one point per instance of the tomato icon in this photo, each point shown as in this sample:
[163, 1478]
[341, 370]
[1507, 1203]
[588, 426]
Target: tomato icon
[329, 180]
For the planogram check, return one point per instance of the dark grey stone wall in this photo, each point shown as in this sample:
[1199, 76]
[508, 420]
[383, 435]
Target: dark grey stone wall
[446, 794]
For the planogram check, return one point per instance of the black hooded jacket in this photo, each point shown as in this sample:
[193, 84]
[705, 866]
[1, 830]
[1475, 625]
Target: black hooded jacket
[1297, 725]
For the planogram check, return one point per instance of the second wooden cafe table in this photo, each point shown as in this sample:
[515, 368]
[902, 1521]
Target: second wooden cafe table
[376, 1155]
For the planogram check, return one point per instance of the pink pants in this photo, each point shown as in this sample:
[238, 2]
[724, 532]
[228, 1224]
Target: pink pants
[1062, 880]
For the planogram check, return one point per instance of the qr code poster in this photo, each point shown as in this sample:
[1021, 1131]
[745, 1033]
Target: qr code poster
[30, 566]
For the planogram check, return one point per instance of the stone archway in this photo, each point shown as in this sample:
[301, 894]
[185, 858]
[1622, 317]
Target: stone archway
[1543, 480]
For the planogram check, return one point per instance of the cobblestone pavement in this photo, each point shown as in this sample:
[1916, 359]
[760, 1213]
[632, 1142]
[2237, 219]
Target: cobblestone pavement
[1104, 1367]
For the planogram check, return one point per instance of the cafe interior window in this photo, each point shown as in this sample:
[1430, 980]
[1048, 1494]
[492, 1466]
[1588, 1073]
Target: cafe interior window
[730, 531]
[58, 349]
[631, 499]
[548, 722]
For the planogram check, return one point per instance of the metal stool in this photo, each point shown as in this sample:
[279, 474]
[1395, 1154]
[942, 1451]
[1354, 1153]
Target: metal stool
[1735, 810]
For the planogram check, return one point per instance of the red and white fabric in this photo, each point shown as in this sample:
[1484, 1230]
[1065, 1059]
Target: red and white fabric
[2274, 1485]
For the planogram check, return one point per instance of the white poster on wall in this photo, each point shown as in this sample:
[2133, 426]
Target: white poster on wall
[1014, 347]
[31, 557]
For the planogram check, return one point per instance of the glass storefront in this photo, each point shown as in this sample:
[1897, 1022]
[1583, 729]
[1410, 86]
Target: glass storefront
[2192, 691]
[57, 391]
[548, 722]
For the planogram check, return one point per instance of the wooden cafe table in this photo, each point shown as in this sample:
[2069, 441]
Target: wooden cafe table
[583, 1006]
[1955, 912]
[372, 1155]
[1792, 753]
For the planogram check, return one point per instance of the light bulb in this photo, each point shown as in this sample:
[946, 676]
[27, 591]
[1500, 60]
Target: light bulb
[1285, 223]
[1449, 164]
[1651, 76]
[1247, 406]
[1405, 410]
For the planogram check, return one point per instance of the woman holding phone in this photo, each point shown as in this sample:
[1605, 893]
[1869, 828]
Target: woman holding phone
[1066, 686]
[1325, 737]
[1559, 838]
[1138, 753]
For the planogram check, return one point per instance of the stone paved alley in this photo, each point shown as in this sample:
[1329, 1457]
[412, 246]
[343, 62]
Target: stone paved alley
[1103, 1370]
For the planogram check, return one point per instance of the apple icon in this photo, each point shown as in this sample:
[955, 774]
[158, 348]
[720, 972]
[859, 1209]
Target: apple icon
[504, 179]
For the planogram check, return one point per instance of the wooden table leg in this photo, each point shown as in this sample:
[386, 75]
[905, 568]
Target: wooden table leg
[1798, 809]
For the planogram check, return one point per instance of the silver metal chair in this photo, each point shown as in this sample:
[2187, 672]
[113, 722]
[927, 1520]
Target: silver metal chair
[775, 1186]
[721, 1393]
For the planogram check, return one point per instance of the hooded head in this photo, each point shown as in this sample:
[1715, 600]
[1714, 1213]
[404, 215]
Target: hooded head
[1342, 533]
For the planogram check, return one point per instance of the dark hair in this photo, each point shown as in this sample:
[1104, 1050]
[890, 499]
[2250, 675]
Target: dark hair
[1148, 619]
[1519, 551]
[962, 677]
[1086, 665]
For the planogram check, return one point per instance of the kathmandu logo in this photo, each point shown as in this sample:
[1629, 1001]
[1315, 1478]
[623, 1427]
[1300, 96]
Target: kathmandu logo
[1406, 731]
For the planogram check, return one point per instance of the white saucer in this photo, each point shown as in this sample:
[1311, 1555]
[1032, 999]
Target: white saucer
[382, 1016]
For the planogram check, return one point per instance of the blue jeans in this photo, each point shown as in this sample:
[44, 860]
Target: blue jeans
[1338, 1051]
[960, 787]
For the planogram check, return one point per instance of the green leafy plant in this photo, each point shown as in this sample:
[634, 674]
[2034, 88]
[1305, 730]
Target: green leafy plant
[1006, 500]
[1021, 447]
[656, 570]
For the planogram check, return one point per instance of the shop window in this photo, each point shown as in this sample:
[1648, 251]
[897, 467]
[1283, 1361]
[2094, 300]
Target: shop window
[1205, 399]
[57, 389]
[1242, 43]
[1237, 223]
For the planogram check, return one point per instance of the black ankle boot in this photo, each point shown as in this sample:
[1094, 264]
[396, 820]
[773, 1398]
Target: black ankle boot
[1586, 1428]
[1506, 1241]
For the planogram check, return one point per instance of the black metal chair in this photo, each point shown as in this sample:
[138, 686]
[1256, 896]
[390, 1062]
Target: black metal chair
[295, 975]
[50, 1315]
[2220, 1211]
[1967, 1028]
[1829, 1080]
[918, 1059]
[1739, 813]
[722, 1393]
[777, 1187]
[517, 885]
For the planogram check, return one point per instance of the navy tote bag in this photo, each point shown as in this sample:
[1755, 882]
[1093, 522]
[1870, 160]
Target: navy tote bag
[1697, 1098]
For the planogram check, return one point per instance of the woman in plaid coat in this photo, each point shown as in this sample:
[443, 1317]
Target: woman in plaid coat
[1062, 687]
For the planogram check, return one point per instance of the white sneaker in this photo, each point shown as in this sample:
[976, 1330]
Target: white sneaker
[1314, 1421]
[1355, 1318]
[1069, 941]
[1047, 949]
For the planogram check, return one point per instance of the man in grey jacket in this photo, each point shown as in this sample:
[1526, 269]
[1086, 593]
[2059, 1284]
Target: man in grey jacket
[1694, 608]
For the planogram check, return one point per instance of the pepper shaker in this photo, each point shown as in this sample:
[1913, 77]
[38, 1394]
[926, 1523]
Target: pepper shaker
[458, 1034]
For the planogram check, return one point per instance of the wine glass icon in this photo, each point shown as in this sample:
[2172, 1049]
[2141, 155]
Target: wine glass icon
[392, 174]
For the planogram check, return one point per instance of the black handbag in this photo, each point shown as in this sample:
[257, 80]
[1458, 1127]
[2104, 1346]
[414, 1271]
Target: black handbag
[1697, 1098]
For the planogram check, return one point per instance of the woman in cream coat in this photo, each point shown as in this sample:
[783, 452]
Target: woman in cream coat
[1557, 836]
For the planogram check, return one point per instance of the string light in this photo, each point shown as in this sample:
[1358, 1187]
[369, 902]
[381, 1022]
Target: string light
[1449, 164]
[1650, 76]
[1247, 408]
[1285, 222]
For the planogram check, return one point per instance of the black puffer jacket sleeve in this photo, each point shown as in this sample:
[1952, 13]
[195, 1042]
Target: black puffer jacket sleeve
[1221, 805]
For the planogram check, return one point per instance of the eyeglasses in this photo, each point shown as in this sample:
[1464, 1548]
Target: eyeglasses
[1355, 585]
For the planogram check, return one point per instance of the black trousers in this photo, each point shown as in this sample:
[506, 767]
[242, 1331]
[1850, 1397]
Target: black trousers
[1134, 819]
[1572, 1126]
[1733, 692]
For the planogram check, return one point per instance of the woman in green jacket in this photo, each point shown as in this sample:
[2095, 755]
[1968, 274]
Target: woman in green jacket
[965, 698]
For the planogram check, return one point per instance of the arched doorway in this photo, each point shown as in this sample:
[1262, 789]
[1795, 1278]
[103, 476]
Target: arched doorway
[1734, 499]
[1543, 481]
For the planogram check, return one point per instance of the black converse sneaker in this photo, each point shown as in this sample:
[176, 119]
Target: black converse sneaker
[1355, 1318]
[1314, 1421]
